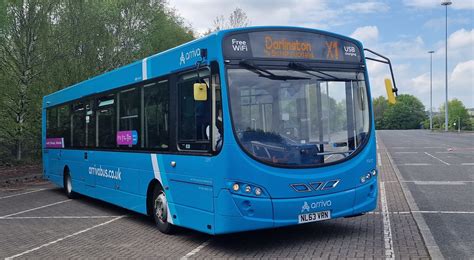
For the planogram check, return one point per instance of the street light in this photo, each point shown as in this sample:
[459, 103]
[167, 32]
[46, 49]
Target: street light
[446, 3]
[431, 89]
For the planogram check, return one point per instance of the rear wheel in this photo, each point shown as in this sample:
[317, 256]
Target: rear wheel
[160, 211]
[68, 186]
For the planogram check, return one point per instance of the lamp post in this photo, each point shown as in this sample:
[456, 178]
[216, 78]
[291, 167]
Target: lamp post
[431, 89]
[446, 3]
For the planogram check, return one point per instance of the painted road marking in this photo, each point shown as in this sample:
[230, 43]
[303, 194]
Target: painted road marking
[387, 230]
[466, 164]
[63, 238]
[19, 194]
[28, 210]
[196, 250]
[406, 152]
[423, 212]
[437, 158]
[62, 217]
[379, 160]
[416, 164]
[444, 212]
[439, 182]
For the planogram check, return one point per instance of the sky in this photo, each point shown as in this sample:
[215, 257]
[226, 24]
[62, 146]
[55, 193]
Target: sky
[403, 30]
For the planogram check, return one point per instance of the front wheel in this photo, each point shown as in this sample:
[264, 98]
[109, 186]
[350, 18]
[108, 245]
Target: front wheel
[160, 211]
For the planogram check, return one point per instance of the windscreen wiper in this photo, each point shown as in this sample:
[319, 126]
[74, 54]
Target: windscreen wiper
[265, 73]
[305, 69]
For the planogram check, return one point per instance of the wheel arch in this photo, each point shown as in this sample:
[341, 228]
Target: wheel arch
[149, 195]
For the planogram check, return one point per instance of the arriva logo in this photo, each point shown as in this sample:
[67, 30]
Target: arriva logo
[185, 56]
[306, 207]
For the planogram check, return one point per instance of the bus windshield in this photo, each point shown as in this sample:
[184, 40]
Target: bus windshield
[299, 117]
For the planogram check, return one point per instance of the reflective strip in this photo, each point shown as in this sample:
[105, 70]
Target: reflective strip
[157, 173]
[144, 69]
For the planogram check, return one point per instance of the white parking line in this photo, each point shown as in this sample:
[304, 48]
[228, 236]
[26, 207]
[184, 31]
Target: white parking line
[379, 160]
[62, 217]
[416, 164]
[66, 237]
[196, 250]
[387, 230]
[18, 194]
[466, 164]
[437, 158]
[443, 212]
[28, 210]
[438, 182]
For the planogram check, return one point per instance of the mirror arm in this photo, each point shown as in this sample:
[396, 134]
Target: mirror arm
[386, 61]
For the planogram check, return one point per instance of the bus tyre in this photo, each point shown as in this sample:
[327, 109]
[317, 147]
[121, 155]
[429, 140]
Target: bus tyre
[160, 211]
[68, 186]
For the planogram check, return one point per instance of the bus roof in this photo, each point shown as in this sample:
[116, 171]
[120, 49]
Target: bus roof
[175, 59]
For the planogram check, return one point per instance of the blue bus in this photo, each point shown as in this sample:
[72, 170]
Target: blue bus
[243, 129]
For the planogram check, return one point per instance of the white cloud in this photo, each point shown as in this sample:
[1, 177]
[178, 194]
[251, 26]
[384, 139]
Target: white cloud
[456, 4]
[460, 46]
[367, 7]
[321, 14]
[367, 35]
[461, 82]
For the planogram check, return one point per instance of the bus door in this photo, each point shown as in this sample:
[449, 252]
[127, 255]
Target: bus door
[198, 137]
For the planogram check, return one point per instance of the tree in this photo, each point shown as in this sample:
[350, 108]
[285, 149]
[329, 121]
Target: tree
[458, 114]
[238, 18]
[407, 113]
[21, 59]
[46, 45]
[379, 106]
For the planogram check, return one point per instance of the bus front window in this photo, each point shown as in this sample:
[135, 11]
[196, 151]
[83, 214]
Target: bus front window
[299, 118]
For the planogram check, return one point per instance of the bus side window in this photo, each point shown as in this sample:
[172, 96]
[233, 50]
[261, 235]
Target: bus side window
[129, 120]
[90, 123]
[105, 121]
[193, 116]
[156, 115]
[51, 122]
[64, 124]
[78, 124]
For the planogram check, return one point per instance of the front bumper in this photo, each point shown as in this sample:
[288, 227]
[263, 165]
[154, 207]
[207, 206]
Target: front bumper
[235, 213]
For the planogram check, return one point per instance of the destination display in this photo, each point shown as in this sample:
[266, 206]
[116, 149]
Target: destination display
[293, 45]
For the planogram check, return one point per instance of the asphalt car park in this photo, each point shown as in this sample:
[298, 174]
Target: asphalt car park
[38, 221]
[438, 170]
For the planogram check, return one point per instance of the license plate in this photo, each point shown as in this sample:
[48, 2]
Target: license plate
[313, 217]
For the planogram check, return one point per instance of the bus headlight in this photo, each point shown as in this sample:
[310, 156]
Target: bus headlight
[235, 187]
[248, 189]
[373, 172]
[362, 179]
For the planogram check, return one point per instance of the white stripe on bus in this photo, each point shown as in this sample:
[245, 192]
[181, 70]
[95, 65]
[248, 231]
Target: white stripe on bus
[144, 69]
[157, 173]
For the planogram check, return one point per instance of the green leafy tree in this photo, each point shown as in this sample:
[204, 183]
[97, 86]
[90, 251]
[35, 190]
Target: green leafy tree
[379, 106]
[407, 113]
[458, 114]
[22, 60]
[46, 45]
